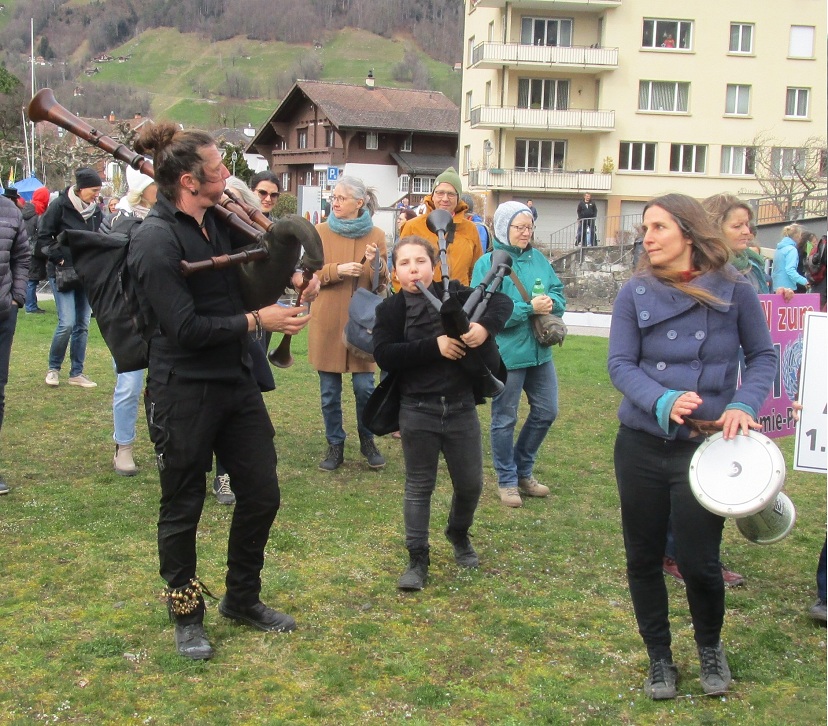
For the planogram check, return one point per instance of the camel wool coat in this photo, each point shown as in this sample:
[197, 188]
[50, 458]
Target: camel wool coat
[326, 351]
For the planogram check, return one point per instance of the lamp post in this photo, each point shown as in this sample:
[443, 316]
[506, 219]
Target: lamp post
[233, 158]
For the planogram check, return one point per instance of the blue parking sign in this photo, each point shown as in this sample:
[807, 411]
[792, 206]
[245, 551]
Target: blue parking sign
[333, 173]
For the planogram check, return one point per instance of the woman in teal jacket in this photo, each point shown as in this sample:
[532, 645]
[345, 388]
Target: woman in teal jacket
[786, 259]
[530, 366]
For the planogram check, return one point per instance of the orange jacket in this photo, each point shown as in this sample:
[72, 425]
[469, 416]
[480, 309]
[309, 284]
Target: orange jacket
[463, 251]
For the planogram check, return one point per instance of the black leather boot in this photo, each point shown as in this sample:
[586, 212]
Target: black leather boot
[186, 608]
[464, 554]
[415, 576]
[334, 458]
[369, 450]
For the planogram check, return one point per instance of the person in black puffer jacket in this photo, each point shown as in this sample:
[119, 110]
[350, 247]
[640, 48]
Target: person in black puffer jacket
[14, 268]
[32, 212]
[75, 208]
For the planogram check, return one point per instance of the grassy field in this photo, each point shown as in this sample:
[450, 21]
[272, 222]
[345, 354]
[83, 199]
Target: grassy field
[170, 65]
[543, 632]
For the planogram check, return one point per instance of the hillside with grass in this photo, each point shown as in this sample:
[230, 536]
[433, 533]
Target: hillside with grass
[242, 81]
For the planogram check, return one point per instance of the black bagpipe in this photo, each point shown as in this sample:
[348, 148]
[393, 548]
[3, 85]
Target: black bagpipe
[456, 318]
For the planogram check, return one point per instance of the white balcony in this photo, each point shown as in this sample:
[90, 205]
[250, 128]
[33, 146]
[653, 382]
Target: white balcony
[580, 6]
[538, 181]
[538, 119]
[571, 58]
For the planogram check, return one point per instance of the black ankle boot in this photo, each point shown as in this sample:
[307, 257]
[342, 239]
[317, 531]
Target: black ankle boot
[369, 450]
[334, 458]
[464, 554]
[415, 576]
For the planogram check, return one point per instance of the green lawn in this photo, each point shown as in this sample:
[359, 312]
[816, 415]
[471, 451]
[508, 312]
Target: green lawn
[543, 632]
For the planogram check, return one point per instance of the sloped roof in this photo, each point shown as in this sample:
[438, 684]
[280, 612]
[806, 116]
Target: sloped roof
[399, 109]
[351, 106]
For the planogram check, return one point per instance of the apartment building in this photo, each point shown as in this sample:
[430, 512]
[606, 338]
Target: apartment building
[628, 99]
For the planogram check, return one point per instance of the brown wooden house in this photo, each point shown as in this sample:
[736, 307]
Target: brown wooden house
[396, 140]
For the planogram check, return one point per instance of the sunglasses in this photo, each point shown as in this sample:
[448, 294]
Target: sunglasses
[264, 195]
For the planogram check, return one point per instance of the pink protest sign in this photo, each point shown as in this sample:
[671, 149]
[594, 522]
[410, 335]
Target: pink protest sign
[786, 322]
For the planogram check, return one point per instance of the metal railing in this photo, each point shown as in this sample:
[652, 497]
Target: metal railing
[571, 55]
[614, 231]
[517, 179]
[539, 118]
[767, 210]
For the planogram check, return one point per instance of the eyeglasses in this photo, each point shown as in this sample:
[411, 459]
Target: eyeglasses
[264, 195]
[447, 195]
[523, 228]
[336, 199]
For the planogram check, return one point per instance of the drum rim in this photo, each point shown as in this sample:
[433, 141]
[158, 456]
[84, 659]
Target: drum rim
[763, 498]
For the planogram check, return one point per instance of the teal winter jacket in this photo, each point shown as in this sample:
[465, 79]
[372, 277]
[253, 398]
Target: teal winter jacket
[517, 343]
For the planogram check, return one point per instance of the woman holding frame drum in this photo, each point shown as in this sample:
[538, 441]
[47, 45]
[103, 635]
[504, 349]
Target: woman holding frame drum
[677, 327]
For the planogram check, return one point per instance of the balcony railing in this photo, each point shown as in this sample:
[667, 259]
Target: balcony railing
[558, 5]
[518, 179]
[325, 155]
[542, 119]
[571, 58]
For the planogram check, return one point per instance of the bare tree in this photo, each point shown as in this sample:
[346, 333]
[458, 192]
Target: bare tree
[791, 177]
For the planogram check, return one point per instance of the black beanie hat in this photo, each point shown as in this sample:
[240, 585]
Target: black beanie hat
[11, 193]
[86, 178]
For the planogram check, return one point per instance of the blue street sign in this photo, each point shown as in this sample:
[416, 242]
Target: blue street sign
[333, 173]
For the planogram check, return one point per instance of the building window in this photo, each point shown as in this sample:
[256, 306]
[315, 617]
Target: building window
[663, 96]
[784, 160]
[403, 183]
[741, 38]
[321, 178]
[308, 178]
[330, 137]
[738, 160]
[796, 103]
[469, 49]
[466, 158]
[539, 155]
[822, 171]
[422, 184]
[372, 140]
[487, 94]
[468, 105]
[283, 144]
[737, 101]
[549, 94]
[636, 156]
[285, 185]
[491, 33]
[406, 143]
[801, 44]
[676, 34]
[688, 158]
[302, 139]
[546, 31]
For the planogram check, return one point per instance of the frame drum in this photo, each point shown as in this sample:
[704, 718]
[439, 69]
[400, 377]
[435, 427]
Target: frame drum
[739, 477]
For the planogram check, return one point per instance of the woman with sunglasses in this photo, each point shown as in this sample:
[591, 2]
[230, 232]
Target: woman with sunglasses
[266, 187]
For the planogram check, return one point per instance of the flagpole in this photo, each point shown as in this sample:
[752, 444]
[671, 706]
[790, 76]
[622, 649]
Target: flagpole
[34, 90]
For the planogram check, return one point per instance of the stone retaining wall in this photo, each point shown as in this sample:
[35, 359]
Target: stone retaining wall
[592, 276]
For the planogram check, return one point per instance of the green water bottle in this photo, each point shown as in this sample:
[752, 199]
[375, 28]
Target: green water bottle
[538, 288]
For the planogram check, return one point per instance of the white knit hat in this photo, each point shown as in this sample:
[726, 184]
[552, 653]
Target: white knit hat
[136, 181]
[503, 217]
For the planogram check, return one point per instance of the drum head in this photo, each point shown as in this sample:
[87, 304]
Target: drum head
[738, 477]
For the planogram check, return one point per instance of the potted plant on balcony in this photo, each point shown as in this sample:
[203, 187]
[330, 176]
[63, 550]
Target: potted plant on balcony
[608, 166]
